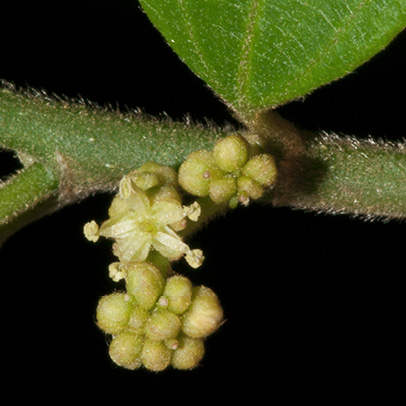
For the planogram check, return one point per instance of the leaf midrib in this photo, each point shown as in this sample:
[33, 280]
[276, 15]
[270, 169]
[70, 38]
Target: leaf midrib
[243, 76]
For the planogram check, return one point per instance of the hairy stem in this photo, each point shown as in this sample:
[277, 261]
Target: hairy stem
[86, 148]
[71, 150]
[334, 174]
[92, 147]
[24, 197]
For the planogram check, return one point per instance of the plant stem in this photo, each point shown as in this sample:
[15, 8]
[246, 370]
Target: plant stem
[364, 178]
[83, 148]
[91, 148]
[71, 150]
[24, 197]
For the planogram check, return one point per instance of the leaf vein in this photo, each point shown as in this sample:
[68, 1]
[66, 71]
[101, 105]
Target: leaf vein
[243, 75]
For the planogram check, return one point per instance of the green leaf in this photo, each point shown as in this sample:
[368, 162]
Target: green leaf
[257, 54]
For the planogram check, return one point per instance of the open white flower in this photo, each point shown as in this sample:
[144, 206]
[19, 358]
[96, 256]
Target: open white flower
[140, 222]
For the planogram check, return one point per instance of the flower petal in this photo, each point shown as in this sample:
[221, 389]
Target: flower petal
[167, 212]
[134, 247]
[138, 201]
[169, 244]
[118, 226]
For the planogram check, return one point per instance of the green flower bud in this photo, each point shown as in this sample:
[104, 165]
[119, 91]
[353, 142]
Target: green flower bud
[125, 350]
[145, 180]
[113, 312]
[165, 174]
[222, 190]
[166, 193]
[231, 153]
[162, 325]
[188, 353]
[262, 169]
[155, 355]
[249, 187]
[197, 171]
[137, 320]
[178, 290]
[204, 315]
[149, 176]
[145, 282]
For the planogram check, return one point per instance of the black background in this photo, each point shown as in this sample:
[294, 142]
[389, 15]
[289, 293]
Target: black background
[314, 304]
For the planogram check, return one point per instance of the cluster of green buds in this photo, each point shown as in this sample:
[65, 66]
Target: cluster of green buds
[159, 321]
[231, 172]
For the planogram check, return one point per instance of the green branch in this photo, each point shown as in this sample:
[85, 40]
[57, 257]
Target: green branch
[85, 148]
[25, 197]
[71, 150]
[93, 147]
[334, 174]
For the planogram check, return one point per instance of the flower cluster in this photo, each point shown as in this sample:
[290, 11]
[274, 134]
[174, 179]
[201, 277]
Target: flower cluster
[160, 319]
[158, 322]
[146, 214]
[229, 173]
